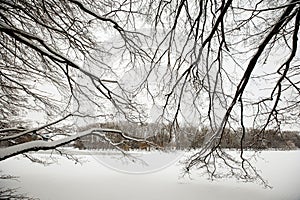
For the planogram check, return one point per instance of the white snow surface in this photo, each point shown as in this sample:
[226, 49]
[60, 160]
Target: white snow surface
[92, 180]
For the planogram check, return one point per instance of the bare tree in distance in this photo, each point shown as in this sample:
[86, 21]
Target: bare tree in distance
[222, 64]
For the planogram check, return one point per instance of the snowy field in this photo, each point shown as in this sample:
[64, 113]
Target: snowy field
[93, 179]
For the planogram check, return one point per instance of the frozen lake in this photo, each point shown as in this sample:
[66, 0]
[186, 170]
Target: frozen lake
[94, 180]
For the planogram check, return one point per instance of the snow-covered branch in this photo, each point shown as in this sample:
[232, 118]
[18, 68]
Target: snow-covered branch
[9, 137]
[37, 145]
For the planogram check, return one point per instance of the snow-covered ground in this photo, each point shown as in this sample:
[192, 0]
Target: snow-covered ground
[94, 180]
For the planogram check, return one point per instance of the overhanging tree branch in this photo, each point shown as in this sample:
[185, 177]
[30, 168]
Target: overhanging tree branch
[10, 137]
[46, 145]
[252, 63]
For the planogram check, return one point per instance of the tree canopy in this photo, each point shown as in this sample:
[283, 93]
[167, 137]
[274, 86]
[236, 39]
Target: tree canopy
[222, 64]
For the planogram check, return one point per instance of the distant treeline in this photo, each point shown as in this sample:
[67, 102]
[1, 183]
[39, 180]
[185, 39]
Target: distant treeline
[154, 137]
[254, 139]
[189, 137]
[159, 136]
